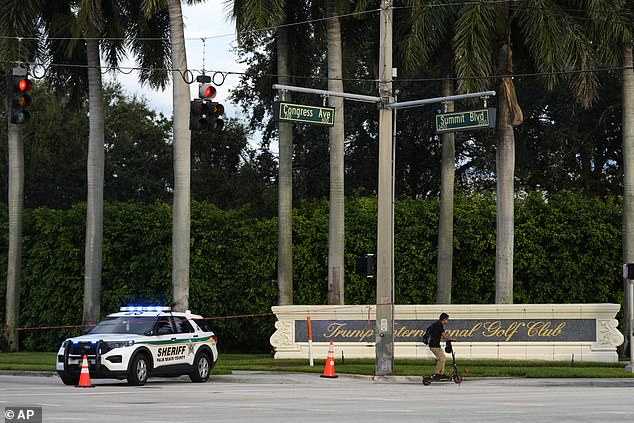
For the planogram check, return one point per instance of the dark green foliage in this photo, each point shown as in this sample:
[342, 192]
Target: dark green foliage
[568, 250]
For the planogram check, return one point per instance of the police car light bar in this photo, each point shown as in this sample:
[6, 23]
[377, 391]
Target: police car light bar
[145, 308]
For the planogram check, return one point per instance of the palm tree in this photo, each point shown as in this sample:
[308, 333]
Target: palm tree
[336, 270]
[181, 222]
[253, 15]
[182, 161]
[480, 34]
[445, 219]
[18, 20]
[419, 52]
[100, 24]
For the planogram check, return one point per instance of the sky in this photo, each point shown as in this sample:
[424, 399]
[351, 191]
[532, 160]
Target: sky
[203, 20]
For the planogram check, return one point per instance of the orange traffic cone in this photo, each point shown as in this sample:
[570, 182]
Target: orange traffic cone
[84, 378]
[329, 369]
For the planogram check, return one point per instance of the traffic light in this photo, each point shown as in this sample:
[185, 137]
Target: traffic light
[206, 91]
[215, 122]
[20, 99]
[197, 116]
[204, 113]
[366, 265]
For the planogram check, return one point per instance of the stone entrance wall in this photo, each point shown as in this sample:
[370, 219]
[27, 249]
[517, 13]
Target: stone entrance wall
[553, 332]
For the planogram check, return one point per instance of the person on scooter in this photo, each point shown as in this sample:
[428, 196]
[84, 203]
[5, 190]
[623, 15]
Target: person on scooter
[438, 332]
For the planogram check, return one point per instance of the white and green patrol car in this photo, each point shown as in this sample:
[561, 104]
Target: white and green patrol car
[140, 342]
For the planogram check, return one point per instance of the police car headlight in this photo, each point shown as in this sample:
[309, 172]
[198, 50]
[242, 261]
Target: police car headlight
[118, 344]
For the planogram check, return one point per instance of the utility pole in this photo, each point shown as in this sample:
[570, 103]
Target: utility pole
[384, 332]
[628, 204]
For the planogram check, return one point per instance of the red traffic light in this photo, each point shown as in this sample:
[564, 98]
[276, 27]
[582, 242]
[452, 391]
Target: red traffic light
[25, 85]
[206, 91]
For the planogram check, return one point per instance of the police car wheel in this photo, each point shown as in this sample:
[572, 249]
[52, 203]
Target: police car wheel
[201, 368]
[69, 379]
[139, 370]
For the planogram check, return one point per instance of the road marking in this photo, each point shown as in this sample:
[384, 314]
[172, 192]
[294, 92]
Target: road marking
[385, 410]
[65, 394]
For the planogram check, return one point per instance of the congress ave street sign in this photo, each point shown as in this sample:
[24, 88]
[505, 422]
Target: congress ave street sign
[464, 121]
[299, 113]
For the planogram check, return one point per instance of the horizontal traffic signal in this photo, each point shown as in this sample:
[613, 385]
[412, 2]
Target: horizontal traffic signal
[204, 115]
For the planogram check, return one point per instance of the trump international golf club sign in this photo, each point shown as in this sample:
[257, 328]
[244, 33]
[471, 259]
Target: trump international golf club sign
[506, 330]
[578, 332]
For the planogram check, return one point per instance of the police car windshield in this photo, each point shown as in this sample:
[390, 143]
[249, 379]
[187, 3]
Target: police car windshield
[125, 324]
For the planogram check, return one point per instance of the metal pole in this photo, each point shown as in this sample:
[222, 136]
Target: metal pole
[384, 346]
[416, 103]
[629, 321]
[630, 367]
[327, 93]
[628, 198]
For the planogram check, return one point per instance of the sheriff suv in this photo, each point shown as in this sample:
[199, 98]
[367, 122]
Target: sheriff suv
[140, 342]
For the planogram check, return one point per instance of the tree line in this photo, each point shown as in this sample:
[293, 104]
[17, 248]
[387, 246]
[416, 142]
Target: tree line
[569, 248]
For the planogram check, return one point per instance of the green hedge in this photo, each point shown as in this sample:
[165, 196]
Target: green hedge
[568, 250]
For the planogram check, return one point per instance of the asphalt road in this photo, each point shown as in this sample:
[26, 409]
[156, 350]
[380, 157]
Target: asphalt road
[252, 397]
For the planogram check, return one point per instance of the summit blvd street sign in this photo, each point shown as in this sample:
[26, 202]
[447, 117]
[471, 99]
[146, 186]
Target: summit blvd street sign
[464, 121]
[299, 113]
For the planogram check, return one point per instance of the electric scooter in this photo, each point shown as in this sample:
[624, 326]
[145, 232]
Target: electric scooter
[455, 375]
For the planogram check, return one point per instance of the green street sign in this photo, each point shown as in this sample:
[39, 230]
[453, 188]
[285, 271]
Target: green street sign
[464, 121]
[299, 113]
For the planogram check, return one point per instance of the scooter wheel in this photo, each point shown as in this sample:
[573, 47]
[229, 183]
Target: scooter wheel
[458, 378]
[426, 380]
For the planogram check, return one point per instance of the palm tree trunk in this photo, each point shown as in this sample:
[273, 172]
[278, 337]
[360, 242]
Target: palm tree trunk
[628, 181]
[285, 185]
[505, 165]
[14, 259]
[336, 273]
[95, 172]
[445, 224]
[182, 163]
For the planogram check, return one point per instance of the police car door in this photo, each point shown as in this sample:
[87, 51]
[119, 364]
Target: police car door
[185, 333]
[168, 350]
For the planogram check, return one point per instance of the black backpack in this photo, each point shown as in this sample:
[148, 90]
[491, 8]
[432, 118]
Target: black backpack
[427, 334]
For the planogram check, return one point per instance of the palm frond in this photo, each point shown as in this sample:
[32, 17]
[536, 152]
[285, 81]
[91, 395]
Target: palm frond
[474, 45]
[611, 24]
[430, 28]
[18, 27]
[149, 43]
[257, 14]
[543, 26]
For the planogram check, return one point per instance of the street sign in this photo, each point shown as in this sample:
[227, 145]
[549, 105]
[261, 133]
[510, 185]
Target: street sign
[299, 113]
[464, 121]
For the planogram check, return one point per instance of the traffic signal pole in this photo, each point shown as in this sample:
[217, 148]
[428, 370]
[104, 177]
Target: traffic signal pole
[384, 332]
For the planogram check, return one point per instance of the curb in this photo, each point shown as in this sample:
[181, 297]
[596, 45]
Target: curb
[267, 377]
